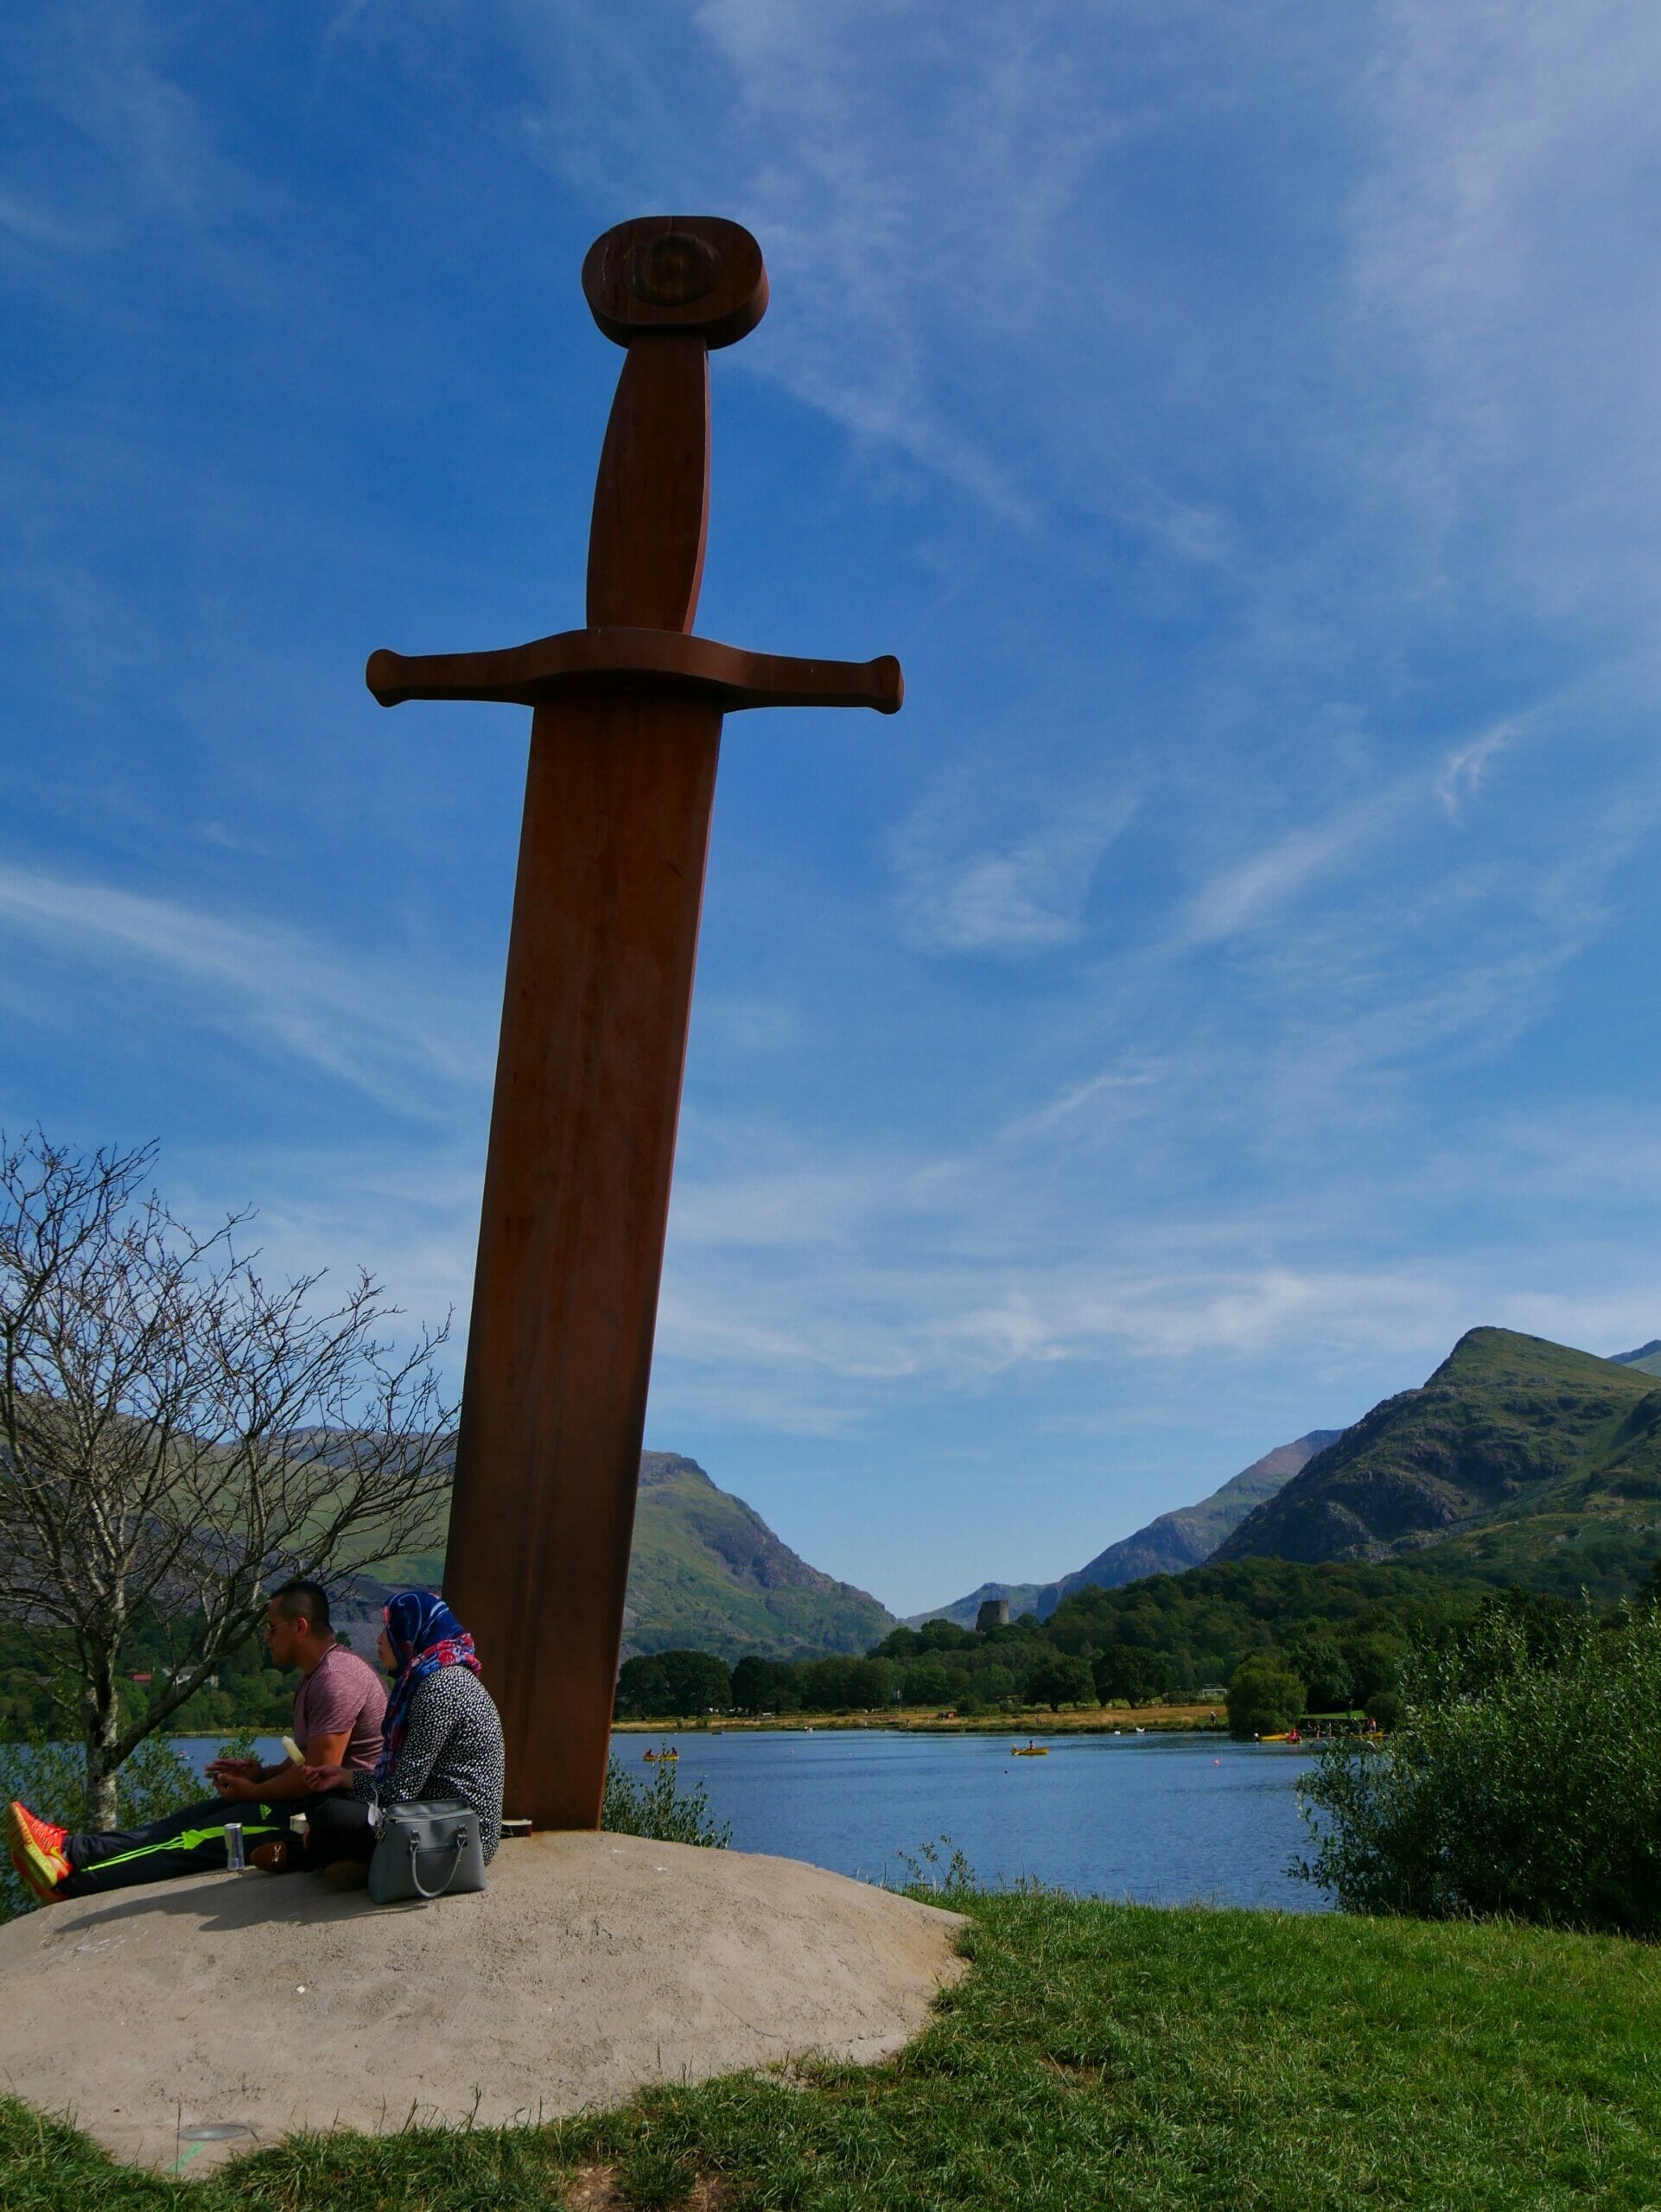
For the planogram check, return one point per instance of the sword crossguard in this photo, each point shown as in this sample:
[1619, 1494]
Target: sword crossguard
[590, 663]
[667, 288]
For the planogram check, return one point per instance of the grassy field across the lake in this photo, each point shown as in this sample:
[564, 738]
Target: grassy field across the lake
[1097, 2055]
[927, 1721]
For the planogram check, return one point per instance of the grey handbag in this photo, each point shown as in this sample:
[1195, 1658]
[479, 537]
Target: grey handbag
[426, 1849]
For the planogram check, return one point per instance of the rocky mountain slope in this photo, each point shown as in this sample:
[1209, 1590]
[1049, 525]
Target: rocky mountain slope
[1193, 1532]
[1166, 1546]
[1520, 1460]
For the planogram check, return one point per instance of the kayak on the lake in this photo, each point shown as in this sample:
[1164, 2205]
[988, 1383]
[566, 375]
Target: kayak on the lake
[1029, 1751]
[669, 1752]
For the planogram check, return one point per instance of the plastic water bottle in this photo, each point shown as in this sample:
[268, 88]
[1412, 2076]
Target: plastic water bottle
[236, 1859]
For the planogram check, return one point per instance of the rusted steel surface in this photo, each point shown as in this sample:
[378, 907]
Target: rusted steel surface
[576, 1197]
[663, 273]
[655, 461]
[579, 664]
[623, 749]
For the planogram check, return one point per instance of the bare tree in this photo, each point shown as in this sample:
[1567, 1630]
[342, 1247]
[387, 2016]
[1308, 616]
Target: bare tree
[176, 1433]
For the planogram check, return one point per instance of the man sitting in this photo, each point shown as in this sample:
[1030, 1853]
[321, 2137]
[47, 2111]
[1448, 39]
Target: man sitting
[338, 1711]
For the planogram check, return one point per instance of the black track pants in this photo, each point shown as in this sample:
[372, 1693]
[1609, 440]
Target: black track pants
[190, 1842]
[340, 1829]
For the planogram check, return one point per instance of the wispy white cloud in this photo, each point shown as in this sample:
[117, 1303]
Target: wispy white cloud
[404, 1205]
[358, 1019]
[1465, 769]
[909, 178]
[342, 24]
[1500, 242]
[138, 150]
[36, 223]
[749, 1023]
[1244, 893]
[1112, 1097]
[1017, 1270]
[1022, 896]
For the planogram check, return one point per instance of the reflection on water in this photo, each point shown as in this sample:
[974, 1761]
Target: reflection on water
[1167, 1820]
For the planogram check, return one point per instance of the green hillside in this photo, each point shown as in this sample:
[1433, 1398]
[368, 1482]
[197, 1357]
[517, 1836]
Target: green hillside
[1519, 1460]
[705, 1572]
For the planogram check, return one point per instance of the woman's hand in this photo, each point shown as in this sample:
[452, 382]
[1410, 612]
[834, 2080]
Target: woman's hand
[320, 1780]
[236, 1789]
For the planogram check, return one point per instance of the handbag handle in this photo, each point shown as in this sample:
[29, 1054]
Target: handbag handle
[458, 1845]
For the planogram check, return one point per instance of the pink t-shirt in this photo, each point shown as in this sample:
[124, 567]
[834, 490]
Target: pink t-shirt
[342, 1693]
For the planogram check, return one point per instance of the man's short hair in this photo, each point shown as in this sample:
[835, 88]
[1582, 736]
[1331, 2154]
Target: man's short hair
[303, 1601]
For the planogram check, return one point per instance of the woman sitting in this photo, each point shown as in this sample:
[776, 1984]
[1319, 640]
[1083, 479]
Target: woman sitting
[442, 1737]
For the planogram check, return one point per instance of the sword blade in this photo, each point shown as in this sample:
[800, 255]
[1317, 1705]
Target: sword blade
[594, 1019]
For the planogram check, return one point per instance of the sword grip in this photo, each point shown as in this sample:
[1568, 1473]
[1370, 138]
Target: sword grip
[651, 499]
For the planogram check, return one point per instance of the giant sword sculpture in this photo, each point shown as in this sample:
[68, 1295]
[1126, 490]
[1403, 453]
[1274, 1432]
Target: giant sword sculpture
[624, 737]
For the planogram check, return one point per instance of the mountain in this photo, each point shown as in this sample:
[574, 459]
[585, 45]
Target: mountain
[1647, 1357]
[1519, 1460]
[1168, 1545]
[705, 1571]
[1191, 1533]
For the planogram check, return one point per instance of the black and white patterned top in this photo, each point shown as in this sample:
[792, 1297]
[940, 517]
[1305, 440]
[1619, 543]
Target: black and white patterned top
[452, 1747]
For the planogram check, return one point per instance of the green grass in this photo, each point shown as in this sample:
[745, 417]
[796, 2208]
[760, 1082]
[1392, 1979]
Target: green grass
[1096, 2056]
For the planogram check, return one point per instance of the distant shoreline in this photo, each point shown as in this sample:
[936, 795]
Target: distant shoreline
[1113, 1720]
[1108, 1720]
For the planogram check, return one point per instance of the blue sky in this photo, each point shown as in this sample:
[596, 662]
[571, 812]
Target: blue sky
[1233, 975]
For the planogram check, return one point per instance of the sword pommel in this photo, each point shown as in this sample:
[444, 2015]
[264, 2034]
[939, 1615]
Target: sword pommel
[698, 276]
[667, 288]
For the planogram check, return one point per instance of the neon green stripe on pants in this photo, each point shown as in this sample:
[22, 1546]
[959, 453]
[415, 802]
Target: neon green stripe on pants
[187, 1840]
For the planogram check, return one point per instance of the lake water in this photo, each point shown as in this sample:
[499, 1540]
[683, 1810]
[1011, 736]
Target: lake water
[1167, 1820]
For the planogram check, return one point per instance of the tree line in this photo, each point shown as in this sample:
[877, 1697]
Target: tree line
[1327, 1638]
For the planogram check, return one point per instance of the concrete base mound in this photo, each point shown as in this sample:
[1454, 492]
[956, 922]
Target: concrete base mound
[592, 1965]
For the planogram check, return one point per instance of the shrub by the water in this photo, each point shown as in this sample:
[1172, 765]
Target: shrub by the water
[1264, 1696]
[1523, 1780]
[660, 1809]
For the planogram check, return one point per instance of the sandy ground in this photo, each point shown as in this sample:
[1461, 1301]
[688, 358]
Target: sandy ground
[591, 1966]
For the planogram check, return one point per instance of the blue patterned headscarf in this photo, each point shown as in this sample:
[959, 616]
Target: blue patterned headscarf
[425, 1636]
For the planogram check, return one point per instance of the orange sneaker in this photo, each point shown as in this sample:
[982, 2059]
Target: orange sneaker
[37, 1852]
